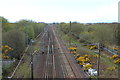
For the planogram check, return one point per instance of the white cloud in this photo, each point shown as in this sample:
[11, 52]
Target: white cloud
[64, 12]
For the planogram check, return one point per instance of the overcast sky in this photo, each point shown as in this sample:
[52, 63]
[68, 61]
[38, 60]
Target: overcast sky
[83, 11]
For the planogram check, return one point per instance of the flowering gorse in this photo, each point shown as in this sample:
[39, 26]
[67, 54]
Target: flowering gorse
[5, 50]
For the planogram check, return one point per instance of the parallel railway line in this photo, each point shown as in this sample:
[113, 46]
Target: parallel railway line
[53, 61]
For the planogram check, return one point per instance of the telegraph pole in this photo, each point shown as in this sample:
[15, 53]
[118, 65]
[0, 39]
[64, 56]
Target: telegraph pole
[98, 61]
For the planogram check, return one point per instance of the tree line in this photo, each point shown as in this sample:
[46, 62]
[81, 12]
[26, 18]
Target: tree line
[105, 33]
[14, 35]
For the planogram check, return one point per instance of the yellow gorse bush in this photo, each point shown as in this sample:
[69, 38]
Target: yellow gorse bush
[86, 56]
[114, 56]
[116, 49]
[92, 47]
[87, 66]
[87, 59]
[82, 63]
[73, 49]
[117, 61]
[77, 55]
[81, 59]
[74, 52]
[6, 48]
[111, 68]
[6, 51]
[5, 57]
[96, 55]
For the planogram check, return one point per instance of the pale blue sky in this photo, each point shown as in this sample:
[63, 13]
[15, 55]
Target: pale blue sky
[83, 11]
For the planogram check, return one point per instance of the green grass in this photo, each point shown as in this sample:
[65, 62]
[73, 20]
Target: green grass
[107, 60]
[23, 70]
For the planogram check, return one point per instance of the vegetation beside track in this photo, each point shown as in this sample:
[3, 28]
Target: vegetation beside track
[14, 35]
[107, 38]
[24, 70]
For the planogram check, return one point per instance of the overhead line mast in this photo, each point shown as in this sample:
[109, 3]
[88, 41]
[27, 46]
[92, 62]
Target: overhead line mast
[70, 33]
[26, 33]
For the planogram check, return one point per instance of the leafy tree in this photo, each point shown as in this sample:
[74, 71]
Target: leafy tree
[77, 28]
[64, 27]
[38, 28]
[16, 39]
[31, 32]
[117, 35]
[5, 25]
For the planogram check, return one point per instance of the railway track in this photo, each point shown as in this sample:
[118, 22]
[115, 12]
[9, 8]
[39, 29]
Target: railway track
[78, 72]
[53, 60]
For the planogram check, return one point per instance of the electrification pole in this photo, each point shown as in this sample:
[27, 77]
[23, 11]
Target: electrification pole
[98, 61]
[70, 33]
[60, 30]
[31, 53]
[26, 33]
